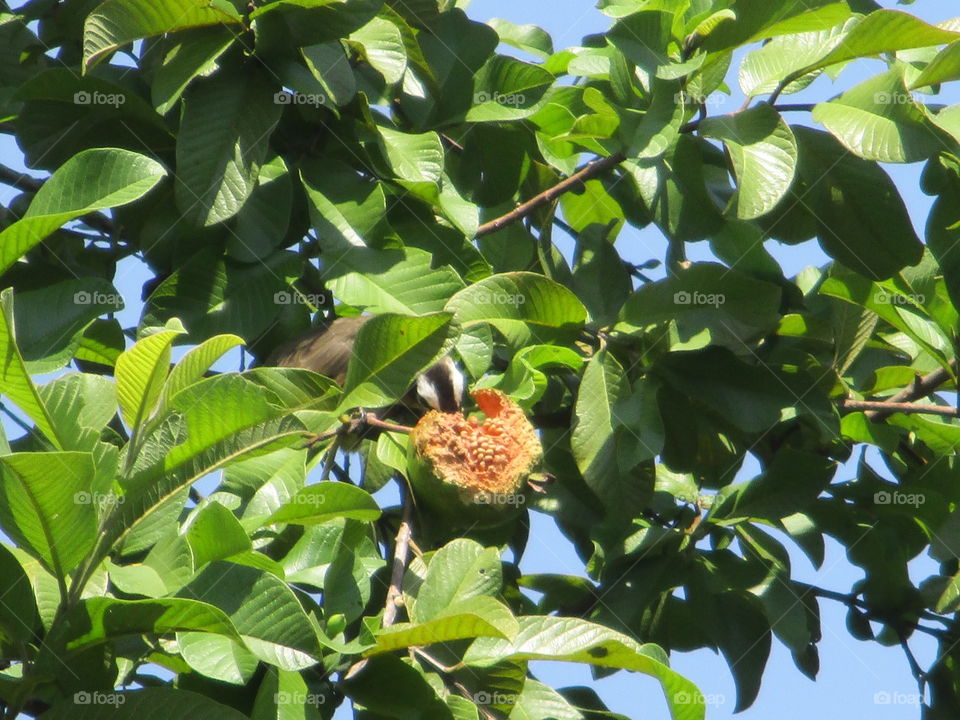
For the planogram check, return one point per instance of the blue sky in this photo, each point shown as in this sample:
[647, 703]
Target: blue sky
[852, 672]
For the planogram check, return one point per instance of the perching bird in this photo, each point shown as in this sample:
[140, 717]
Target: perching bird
[327, 351]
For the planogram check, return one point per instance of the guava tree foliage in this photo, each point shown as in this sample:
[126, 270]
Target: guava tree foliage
[267, 164]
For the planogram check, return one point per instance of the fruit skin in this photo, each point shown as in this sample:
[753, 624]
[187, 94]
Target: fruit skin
[474, 473]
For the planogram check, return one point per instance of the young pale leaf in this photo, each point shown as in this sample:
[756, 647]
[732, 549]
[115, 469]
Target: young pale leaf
[473, 617]
[121, 176]
[315, 504]
[48, 506]
[118, 22]
[141, 372]
[15, 381]
[574, 640]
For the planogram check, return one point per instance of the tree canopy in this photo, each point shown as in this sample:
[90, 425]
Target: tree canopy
[190, 542]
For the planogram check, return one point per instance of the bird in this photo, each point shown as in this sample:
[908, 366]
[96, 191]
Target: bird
[327, 350]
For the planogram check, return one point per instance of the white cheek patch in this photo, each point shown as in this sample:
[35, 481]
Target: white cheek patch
[441, 386]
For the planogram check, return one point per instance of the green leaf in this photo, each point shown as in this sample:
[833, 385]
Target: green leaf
[193, 56]
[343, 205]
[460, 570]
[531, 38]
[47, 506]
[101, 619]
[473, 617]
[122, 177]
[19, 618]
[574, 640]
[885, 31]
[763, 152]
[791, 483]
[217, 656]
[524, 307]
[214, 533]
[391, 281]
[709, 304]
[194, 364]
[263, 609]
[861, 218]
[118, 22]
[47, 340]
[141, 372]
[595, 439]
[943, 68]
[317, 504]
[383, 47]
[508, 89]
[879, 120]
[541, 702]
[394, 349]
[223, 140]
[416, 158]
[15, 381]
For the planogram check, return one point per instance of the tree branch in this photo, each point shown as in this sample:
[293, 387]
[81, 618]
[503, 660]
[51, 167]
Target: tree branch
[853, 601]
[588, 171]
[888, 408]
[920, 388]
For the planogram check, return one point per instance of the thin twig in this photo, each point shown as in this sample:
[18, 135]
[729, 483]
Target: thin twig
[401, 552]
[588, 171]
[889, 408]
